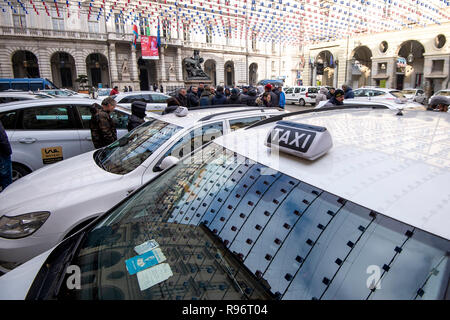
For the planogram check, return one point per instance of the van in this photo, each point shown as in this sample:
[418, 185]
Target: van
[301, 95]
[26, 84]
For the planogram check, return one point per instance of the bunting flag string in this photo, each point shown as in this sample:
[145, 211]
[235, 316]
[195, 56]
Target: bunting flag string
[279, 21]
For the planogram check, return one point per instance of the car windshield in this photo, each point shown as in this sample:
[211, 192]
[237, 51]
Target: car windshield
[413, 92]
[397, 94]
[296, 240]
[104, 92]
[443, 93]
[130, 151]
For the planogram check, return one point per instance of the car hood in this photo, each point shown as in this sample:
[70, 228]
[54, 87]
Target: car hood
[15, 284]
[57, 181]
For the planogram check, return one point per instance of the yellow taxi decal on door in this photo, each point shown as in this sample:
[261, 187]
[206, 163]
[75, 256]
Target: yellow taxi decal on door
[51, 154]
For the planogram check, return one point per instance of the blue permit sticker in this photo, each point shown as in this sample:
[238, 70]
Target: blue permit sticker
[144, 261]
[146, 246]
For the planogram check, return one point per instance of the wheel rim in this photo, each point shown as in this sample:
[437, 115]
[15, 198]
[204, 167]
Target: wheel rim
[16, 175]
[301, 102]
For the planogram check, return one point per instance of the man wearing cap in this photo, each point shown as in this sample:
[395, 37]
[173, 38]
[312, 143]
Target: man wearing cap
[337, 99]
[103, 129]
[439, 103]
[273, 96]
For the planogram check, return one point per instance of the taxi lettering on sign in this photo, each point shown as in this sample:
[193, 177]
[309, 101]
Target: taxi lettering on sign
[51, 155]
[302, 140]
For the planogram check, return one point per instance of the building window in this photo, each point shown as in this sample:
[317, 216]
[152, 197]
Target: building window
[58, 22]
[209, 34]
[19, 19]
[93, 26]
[166, 29]
[119, 23]
[186, 34]
[273, 46]
[273, 65]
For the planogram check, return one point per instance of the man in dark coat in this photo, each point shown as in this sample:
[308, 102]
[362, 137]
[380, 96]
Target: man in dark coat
[250, 98]
[273, 96]
[192, 98]
[220, 97]
[206, 97]
[336, 100]
[201, 88]
[5, 159]
[348, 92]
[182, 97]
[103, 129]
[235, 97]
[137, 115]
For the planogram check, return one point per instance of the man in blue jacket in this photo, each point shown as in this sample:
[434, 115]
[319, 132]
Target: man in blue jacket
[5, 159]
[348, 92]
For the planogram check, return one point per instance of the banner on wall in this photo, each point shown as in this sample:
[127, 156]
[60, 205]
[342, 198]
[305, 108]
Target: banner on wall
[149, 46]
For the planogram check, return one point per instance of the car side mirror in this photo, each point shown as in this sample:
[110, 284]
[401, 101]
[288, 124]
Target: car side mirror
[168, 162]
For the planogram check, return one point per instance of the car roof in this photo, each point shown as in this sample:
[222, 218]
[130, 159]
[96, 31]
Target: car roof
[45, 102]
[202, 114]
[123, 94]
[16, 94]
[389, 104]
[396, 165]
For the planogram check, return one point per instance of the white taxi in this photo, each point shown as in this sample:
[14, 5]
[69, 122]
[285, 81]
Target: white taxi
[45, 131]
[46, 206]
[337, 204]
[156, 102]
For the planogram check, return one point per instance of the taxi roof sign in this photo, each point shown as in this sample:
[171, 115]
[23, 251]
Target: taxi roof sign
[299, 139]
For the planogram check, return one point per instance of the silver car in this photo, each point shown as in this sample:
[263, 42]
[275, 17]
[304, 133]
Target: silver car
[415, 95]
[375, 93]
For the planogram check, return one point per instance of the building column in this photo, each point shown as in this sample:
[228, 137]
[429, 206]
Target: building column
[314, 76]
[134, 71]
[179, 65]
[45, 70]
[162, 64]
[113, 63]
[6, 69]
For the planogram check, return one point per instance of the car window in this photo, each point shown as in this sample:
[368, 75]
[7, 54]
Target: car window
[20, 86]
[376, 93]
[159, 98]
[47, 118]
[312, 90]
[420, 92]
[120, 118]
[4, 86]
[8, 119]
[443, 93]
[34, 86]
[236, 124]
[195, 139]
[397, 94]
[359, 93]
[297, 90]
[147, 98]
[300, 241]
[289, 90]
[132, 98]
[130, 151]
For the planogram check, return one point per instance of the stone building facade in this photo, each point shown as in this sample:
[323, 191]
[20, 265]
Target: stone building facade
[410, 58]
[61, 49]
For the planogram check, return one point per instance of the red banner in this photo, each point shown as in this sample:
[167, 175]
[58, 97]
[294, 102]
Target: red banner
[149, 46]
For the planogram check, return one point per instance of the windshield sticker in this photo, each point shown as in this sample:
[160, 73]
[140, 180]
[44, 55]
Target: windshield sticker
[144, 261]
[146, 246]
[154, 275]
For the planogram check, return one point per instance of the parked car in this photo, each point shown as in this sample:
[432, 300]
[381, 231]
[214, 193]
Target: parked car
[384, 104]
[26, 84]
[302, 206]
[301, 94]
[103, 93]
[443, 92]
[44, 131]
[156, 102]
[415, 95]
[13, 96]
[81, 188]
[375, 94]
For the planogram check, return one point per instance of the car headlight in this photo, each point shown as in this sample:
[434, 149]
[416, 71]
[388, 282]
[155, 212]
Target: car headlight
[23, 225]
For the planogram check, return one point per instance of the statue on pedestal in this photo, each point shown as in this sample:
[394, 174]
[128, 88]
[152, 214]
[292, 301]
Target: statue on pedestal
[193, 68]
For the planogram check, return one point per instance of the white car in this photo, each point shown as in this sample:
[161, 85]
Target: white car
[301, 94]
[71, 193]
[375, 94]
[443, 92]
[346, 205]
[384, 104]
[6, 97]
[156, 102]
[44, 131]
[415, 95]
[64, 93]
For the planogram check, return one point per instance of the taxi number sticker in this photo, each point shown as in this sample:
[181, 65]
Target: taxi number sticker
[51, 155]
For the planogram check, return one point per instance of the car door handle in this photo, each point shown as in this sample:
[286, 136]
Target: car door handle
[130, 191]
[27, 140]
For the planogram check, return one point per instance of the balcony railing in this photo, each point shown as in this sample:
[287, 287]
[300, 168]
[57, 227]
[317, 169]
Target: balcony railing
[47, 33]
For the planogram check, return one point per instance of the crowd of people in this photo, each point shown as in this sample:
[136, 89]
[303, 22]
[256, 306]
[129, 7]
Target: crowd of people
[206, 95]
[334, 96]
